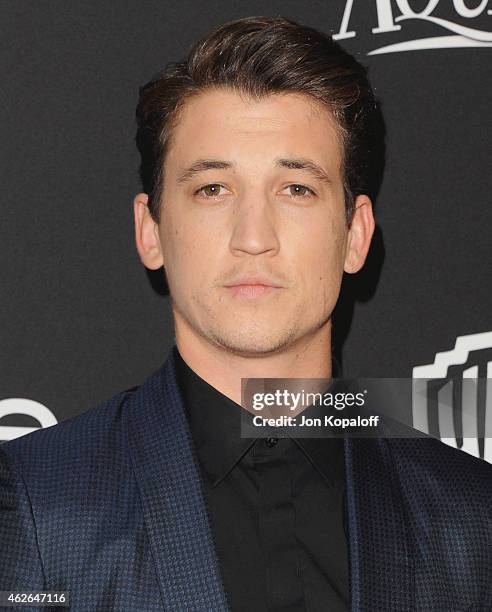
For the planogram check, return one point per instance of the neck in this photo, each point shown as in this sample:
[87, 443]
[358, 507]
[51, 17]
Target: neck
[308, 357]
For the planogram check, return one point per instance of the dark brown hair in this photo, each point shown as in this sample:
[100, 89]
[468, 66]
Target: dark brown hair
[259, 56]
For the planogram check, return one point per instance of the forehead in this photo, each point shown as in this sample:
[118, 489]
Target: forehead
[225, 124]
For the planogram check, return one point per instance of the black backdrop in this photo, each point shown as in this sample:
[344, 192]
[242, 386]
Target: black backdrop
[80, 319]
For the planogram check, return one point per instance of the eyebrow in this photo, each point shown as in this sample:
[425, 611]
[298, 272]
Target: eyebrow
[302, 163]
[200, 166]
[292, 163]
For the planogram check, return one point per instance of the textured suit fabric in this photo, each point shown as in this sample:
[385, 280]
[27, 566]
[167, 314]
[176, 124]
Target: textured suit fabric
[109, 505]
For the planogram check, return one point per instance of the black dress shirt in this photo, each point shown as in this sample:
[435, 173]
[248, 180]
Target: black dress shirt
[276, 508]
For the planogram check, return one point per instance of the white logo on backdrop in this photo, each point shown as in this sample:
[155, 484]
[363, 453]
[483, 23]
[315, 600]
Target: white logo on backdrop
[391, 13]
[465, 409]
[18, 405]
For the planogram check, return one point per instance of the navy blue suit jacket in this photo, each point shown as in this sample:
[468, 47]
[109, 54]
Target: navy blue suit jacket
[109, 506]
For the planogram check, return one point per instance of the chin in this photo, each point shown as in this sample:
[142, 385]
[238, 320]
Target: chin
[252, 343]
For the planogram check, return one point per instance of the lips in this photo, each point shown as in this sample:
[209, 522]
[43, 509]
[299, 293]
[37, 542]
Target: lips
[253, 281]
[251, 291]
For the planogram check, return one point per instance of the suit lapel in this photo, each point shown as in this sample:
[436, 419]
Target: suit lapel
[168, 478]
[381, 561]
[169, 483]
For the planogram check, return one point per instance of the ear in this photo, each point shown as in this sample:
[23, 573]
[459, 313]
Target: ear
[359, 235]
[147, 234]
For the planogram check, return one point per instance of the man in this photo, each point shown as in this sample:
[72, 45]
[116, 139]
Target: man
[255, 169]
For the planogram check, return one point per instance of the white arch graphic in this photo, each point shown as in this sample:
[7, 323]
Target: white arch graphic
[28, 407]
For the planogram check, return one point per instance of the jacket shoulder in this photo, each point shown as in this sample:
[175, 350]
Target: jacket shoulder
[442, 480]
[434, 456]
[72, 443]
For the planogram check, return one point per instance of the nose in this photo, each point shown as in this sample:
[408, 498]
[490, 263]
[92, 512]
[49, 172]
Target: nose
[254, 226]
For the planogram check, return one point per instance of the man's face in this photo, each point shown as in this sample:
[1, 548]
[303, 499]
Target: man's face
[254, 212]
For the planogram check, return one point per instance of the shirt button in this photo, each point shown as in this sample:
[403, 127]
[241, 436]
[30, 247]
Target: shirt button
[271, 442]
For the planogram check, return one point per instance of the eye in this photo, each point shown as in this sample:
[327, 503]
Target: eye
[210, 191]
[300, 191]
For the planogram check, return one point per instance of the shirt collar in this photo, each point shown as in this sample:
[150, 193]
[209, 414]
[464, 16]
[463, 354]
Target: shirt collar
[215, 424]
